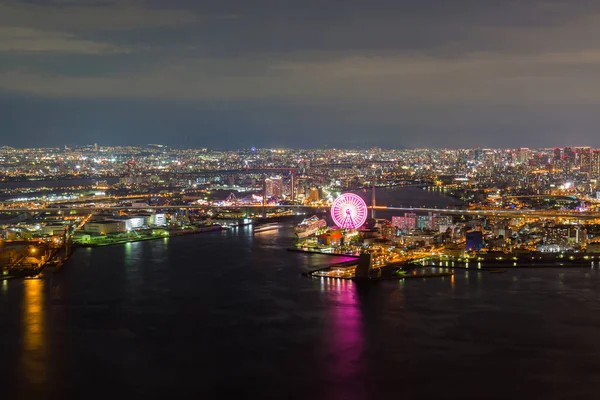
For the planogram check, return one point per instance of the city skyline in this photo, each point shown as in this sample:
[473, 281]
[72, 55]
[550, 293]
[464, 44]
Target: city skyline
[409, 74]
[232, 148]
[299, 199]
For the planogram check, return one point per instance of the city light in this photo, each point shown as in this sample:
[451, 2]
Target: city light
[468, 205]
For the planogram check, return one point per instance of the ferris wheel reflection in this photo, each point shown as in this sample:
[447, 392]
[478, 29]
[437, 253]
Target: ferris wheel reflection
[345, 341]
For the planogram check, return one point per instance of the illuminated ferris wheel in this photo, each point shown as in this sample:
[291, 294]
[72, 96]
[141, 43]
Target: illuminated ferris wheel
[349, 211]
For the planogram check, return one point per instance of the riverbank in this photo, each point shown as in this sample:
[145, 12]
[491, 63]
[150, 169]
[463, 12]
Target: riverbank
[319, 252]
[345, 271]
[486, 267]
[171, 234]
[407, 270]
[56, 262]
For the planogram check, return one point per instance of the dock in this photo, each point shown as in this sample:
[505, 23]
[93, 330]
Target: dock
[296, 250]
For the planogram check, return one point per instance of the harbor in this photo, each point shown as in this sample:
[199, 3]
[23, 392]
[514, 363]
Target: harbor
[30, 258]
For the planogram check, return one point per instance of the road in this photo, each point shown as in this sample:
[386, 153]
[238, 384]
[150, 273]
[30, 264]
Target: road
[447, 211]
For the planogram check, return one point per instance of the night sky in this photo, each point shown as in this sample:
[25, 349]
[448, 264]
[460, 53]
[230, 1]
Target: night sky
[276, 73]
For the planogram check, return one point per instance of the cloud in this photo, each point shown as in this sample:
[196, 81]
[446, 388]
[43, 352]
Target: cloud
[550, 78]
[499, 63]
[92, 15]
[488, 69]
[28, 40]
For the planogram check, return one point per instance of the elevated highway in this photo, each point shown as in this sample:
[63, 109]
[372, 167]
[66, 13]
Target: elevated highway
[443, 211]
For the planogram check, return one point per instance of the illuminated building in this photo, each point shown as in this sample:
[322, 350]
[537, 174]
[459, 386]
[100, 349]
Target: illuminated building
[595, 164]
[584, 155]
[104, 227]
[424, 222]
[331, 238]
[474, 241]
[314, 194]
[557, 159]
[132, 223]
[158, 219]
[442, 223]
[274, 187]
[406, 223]
[568, 159]
[53, 229]
[523, 155]
[564, 236]
[388, 231]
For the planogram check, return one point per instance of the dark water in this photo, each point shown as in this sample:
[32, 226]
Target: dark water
[409, 197]
[229, 316]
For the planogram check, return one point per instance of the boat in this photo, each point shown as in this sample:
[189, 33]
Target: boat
[267, 227]
[309, 226]
[497, 271]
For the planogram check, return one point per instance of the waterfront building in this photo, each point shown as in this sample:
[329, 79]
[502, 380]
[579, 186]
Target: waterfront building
[53, 229]
[104, 227]
[157, 219]
[474, 241]
[132, 223]
[331, 238]
[564, 236]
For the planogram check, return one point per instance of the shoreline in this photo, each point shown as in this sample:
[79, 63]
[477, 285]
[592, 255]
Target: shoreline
[145, 239]
[296, 250]
[58, 266]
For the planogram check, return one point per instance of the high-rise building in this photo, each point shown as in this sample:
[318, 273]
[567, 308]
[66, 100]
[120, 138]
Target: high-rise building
[442, 223]
[584, 161]
[595, 164]
[388, 231]
[568, 159]
[523, 155]
[274, 187]
[314, 194]
[406, 223]
[423, 222]
[539, 160]
[557, 159]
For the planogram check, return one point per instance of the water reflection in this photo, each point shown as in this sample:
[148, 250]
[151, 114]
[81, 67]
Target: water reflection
[132, 259]
[346, 339]
[34, 349]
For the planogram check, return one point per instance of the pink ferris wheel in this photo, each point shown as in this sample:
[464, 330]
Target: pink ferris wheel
[349, 211]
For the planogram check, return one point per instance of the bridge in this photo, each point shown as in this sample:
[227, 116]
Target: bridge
[353, 165]
[265, 170]
[444, 211]
[245, 171]
[499, 213]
